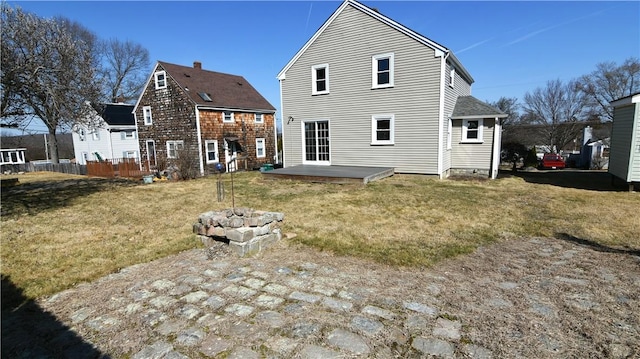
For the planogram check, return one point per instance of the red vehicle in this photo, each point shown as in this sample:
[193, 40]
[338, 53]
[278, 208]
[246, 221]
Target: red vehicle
[552, 160]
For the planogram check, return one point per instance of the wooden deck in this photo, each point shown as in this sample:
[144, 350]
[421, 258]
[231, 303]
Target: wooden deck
[330, 174]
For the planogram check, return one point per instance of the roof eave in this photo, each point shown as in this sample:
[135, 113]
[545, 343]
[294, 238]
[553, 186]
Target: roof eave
[469, 117]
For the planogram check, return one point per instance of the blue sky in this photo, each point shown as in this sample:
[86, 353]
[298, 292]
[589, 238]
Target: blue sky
[509, 47]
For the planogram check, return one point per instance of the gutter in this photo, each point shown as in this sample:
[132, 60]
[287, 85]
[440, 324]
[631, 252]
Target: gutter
[199, 140]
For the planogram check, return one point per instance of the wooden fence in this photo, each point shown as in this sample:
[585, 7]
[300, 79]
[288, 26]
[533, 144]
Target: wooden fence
[117, 167]
[69, 168]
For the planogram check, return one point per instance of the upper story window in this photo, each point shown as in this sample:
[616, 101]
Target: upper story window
[146, 112]
[161, 79]
[382, 69]
[227, 116]
[472, 131]
[82, 134]
[173, 147]
[259, 118]
[127, 135]
[212, 151]
[452, 77]
[382, 129]
[320, 79]
[260, 152]
[95, 135]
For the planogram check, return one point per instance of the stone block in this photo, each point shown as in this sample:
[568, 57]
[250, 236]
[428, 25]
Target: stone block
[250, 222]
[242, 234]
[236, 222]
[262, 230]
[207, 241]
[245, 249]
[216, 232]
[198, 228]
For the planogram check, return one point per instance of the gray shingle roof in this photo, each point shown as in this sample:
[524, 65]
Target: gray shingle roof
[471, 107]
[225, 90]
[116, 114]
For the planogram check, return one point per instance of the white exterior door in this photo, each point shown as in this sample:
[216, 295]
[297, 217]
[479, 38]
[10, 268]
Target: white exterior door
[315, 139]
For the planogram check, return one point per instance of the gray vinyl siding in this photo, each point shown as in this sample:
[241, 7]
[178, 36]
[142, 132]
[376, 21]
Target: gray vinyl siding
[624, 155]
[347, 45]
[472, 155]
[460, 88]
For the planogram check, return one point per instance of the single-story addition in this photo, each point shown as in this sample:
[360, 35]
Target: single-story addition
[624, 153]
[111, 135]
[365, 90]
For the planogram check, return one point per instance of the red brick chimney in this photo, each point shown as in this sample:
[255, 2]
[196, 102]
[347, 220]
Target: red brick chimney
[197, 65]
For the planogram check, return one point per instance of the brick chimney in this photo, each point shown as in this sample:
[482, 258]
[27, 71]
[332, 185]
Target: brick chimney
[197, 65]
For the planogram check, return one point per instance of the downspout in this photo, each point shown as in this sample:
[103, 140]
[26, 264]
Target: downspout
[284, 155]
[199, 140]
[443, 65]
[497, 139]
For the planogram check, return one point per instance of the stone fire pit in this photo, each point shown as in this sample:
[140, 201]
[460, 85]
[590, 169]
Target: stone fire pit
[246, 230]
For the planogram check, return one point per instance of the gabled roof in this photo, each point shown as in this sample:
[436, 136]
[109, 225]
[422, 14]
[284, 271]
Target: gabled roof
[116, 114]
[388, 21]
[224, 90]
[468, 107]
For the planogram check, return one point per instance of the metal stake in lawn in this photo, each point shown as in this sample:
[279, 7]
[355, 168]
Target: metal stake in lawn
[220, 184]
[233, 198]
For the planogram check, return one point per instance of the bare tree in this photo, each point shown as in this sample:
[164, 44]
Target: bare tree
[47, 72]
[610, 82]
[124, 69]
[558, 110]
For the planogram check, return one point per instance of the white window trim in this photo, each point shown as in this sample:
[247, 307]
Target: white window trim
[206, 147]
[374, 128]
[95, 135]
[264, 148]
[232, 117]
[155, 77]
[449, 133]
[257, 116]
[147, 121]
[82, 134]
[175, 143]
[374, 70]
[465, 126]
[314, 78]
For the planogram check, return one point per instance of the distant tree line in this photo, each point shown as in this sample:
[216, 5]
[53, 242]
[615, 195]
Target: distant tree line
[556, 114]
[52, 68]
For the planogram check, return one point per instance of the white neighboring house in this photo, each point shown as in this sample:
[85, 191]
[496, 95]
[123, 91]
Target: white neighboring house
[113, 136]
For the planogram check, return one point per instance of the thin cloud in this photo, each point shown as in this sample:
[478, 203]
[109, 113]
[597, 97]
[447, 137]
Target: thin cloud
[308, 17]
[537, 32]
[474, 45]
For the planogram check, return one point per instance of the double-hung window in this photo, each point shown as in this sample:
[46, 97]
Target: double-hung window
[160, 79]
[260, 150]
[212, 151]
[259, 118]
[320, 79]
[146, 113]
[227, 116]
[382, 129]
[173, 147]
[382, 70]
[82, 134]
[95, 135]
[472, 131]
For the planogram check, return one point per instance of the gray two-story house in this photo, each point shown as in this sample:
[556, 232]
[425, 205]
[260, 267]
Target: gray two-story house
[368, 91]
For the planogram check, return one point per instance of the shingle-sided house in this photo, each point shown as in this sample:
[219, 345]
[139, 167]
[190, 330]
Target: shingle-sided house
[624, 154]
[368, 91]
[212, 115]
[111, 135]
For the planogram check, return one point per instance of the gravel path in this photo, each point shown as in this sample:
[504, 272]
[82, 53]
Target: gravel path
[528, 298]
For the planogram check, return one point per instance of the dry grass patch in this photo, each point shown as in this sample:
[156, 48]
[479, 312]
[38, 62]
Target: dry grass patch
[59, 230]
